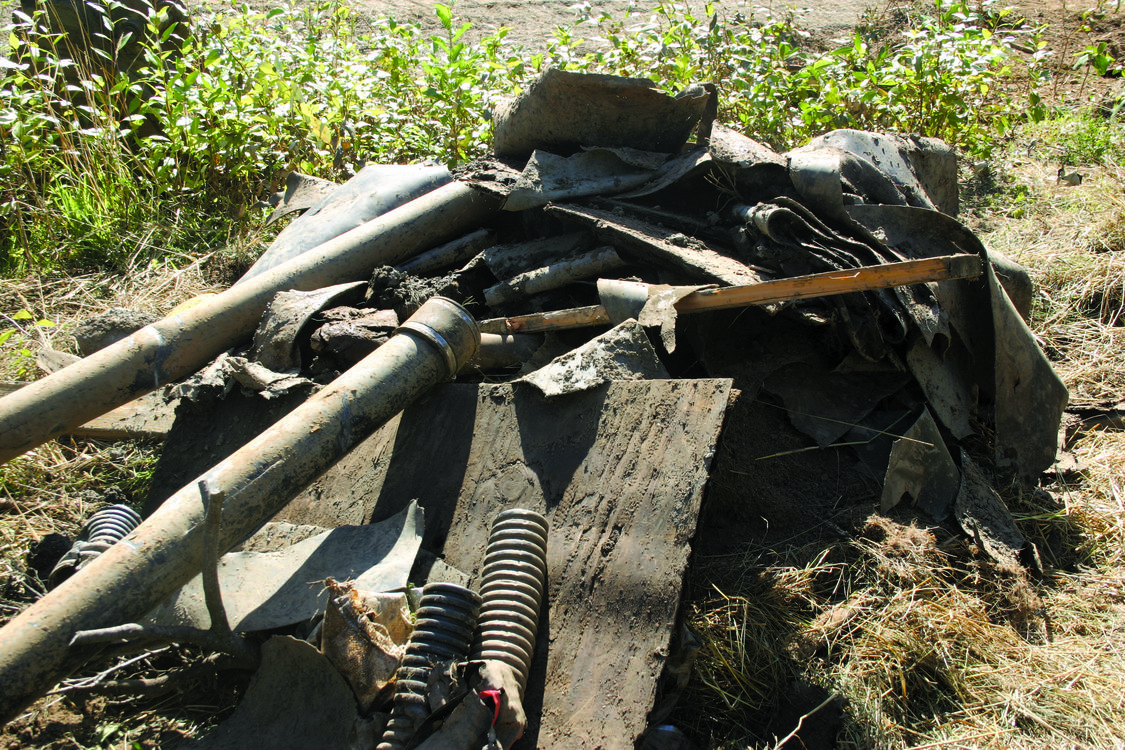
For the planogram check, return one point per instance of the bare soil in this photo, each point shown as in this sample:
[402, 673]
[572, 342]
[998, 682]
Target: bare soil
[533, 22]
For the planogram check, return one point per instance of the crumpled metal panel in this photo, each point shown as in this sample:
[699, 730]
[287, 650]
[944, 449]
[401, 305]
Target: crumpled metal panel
[275, 341]
[1019, 386]
[301, 193]
[375, 190]
[563, 111]
[922, 468]
[849, 166]
[268, 590]
[622, 353]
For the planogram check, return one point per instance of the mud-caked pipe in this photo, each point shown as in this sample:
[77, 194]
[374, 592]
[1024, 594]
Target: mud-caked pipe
[185, 341]
[165, 551]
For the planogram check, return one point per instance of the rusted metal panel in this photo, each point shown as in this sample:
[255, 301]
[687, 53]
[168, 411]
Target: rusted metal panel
[619, 471]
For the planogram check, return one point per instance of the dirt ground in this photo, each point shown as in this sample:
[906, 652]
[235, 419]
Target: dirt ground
[533, 21]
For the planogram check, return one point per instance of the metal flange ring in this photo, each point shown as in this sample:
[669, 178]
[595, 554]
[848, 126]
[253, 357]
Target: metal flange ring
[435, 338]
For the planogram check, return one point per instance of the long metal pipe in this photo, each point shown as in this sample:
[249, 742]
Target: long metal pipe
[185, 341]
[165, 551]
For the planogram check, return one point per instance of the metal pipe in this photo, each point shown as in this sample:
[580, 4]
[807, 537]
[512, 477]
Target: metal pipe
[183, 342]
[498, 352]
[166, 551]
[600, 260]
[458, 251]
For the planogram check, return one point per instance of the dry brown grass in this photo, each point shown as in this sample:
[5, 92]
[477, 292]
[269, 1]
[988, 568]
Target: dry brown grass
[1063, 241]
[929, 643]
[56, 487]
[68, 300]
[930, 646]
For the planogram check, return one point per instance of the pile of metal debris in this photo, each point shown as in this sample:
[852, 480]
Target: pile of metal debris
[623, 279]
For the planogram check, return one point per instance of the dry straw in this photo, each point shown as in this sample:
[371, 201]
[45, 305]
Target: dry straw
[926, 642]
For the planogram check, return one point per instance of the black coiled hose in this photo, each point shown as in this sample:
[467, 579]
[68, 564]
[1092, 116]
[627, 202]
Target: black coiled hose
[104, 529]
[443, 630]
[512, 584]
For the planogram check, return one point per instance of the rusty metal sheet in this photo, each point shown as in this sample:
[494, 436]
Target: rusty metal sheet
[618, 470]
[372, 192]
[562, 111]
[296, 700]
[643, 241]
[268, 590]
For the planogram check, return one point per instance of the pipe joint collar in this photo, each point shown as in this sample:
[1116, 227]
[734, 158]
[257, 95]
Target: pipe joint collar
[449, 328]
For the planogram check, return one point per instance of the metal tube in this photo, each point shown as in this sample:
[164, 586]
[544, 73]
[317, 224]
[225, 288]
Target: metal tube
[183, 342]
[165, 551]
[600, 260]
[498, 352]
[458, 251]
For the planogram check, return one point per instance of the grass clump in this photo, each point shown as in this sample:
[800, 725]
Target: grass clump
[921, 639]
[1082, 137]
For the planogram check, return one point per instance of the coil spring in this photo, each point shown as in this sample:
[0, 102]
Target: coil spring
[103, 530]
[512, 583]
[443, 630]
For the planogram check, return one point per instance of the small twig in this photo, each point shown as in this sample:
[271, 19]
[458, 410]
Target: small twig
[11, 320]
[72, 685]
[807, 449]
[135, 633]
[801, 721]
[856, 425]
[148, 687]
[15, 506]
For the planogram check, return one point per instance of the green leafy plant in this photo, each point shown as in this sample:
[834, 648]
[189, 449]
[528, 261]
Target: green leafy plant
[946, 76]
[1096, 59]
[1082, 137]
[15, 318]
[23, 323]
[103, 166]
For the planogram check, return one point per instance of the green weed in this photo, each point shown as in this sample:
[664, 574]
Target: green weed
[17, 332]
[102, 165]
[1082, 137]
[949, 76]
